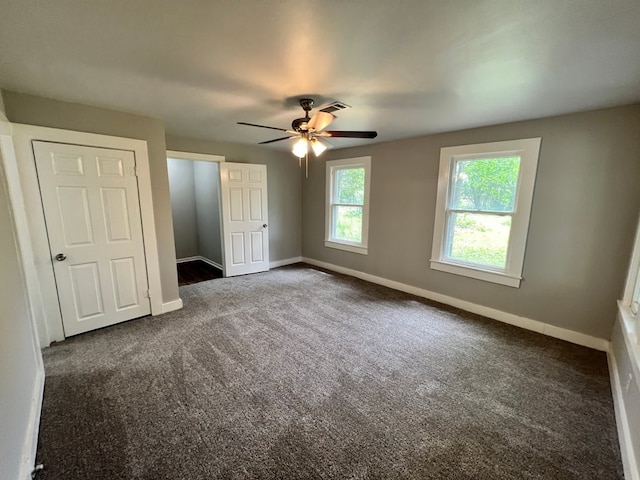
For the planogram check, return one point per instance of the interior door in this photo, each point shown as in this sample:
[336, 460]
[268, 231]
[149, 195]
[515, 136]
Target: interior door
[92, 212]
[243, 192]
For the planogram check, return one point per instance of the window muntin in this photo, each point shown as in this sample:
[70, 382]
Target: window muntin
[482, 210]
[347, 204]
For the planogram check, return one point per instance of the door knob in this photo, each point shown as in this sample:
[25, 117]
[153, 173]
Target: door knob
[264, 225]
[61, 257]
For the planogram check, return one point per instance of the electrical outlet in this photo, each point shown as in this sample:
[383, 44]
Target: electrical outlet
[627, 385]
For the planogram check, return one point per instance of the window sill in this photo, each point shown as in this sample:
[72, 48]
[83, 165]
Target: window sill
[486, 275]
[348, 247]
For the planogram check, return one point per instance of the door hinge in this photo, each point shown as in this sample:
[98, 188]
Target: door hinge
[147, 294]
[134, 171]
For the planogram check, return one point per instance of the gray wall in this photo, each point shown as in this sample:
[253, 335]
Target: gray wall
[33, 110]
[207, 194]
[19, 366]
[584, 213]
[284, 183]
[183, 207]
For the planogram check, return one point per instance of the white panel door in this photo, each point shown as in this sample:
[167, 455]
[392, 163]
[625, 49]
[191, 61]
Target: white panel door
[92, 211]
[243, 191]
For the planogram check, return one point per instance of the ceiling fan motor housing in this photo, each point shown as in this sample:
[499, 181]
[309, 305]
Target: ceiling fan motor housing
[300, 124]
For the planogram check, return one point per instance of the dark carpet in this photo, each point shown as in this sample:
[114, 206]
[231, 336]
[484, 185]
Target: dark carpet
[303, 374]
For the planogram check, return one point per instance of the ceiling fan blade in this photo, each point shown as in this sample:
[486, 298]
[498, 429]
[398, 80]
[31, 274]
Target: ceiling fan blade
[277, 140]
[262, 126]
[320, 120]
[349, 134]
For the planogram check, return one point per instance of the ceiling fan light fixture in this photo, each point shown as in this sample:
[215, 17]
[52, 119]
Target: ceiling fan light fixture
[300, 148]
[318, 146]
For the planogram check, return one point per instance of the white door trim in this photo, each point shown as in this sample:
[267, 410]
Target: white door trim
[199, 157]
[30, 438]
[202, 157]
[30, 224]
[91, 203]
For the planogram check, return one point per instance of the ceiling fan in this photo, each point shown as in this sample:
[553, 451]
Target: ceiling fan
[309, 131]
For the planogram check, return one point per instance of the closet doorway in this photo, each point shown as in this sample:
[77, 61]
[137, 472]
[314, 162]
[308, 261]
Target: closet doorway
[194, 184]
[220, 212]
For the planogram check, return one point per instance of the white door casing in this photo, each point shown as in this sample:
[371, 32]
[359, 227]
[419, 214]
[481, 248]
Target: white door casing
[243, 191]
[92, 211]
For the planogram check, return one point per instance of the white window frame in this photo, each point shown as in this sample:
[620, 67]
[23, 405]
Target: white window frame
[631, 299]
[634, 303]
[528, 149]
[332, 167]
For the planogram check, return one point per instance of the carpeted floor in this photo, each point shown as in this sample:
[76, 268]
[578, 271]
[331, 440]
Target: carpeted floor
[301, 374]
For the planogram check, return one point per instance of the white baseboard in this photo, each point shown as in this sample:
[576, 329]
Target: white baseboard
[210, 262]
[199, 257]
[172, 305]
[187, 259]
[31, 439]
[286, 261]
[629, 462]
[522, 322]
[274, 264]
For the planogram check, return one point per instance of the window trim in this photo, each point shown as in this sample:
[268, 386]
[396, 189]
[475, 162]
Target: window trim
[528, 149]
[331, 167]
[631, 296]
[634, 303]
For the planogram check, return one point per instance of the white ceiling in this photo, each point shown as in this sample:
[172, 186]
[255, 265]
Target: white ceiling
[407, 67]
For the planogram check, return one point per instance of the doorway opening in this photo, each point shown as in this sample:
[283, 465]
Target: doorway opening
[194, 185]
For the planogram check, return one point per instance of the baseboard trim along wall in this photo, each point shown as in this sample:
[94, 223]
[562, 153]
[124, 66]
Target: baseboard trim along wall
[31, 438]
[286, 261]
[188, 259]
[522, 322]
[273, 264]
[172, 305]
[200, 257]
[211, 262]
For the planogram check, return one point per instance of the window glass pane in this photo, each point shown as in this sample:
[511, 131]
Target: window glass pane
[479, 238]
[349, 186]
[347, 224]
[485, 184]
